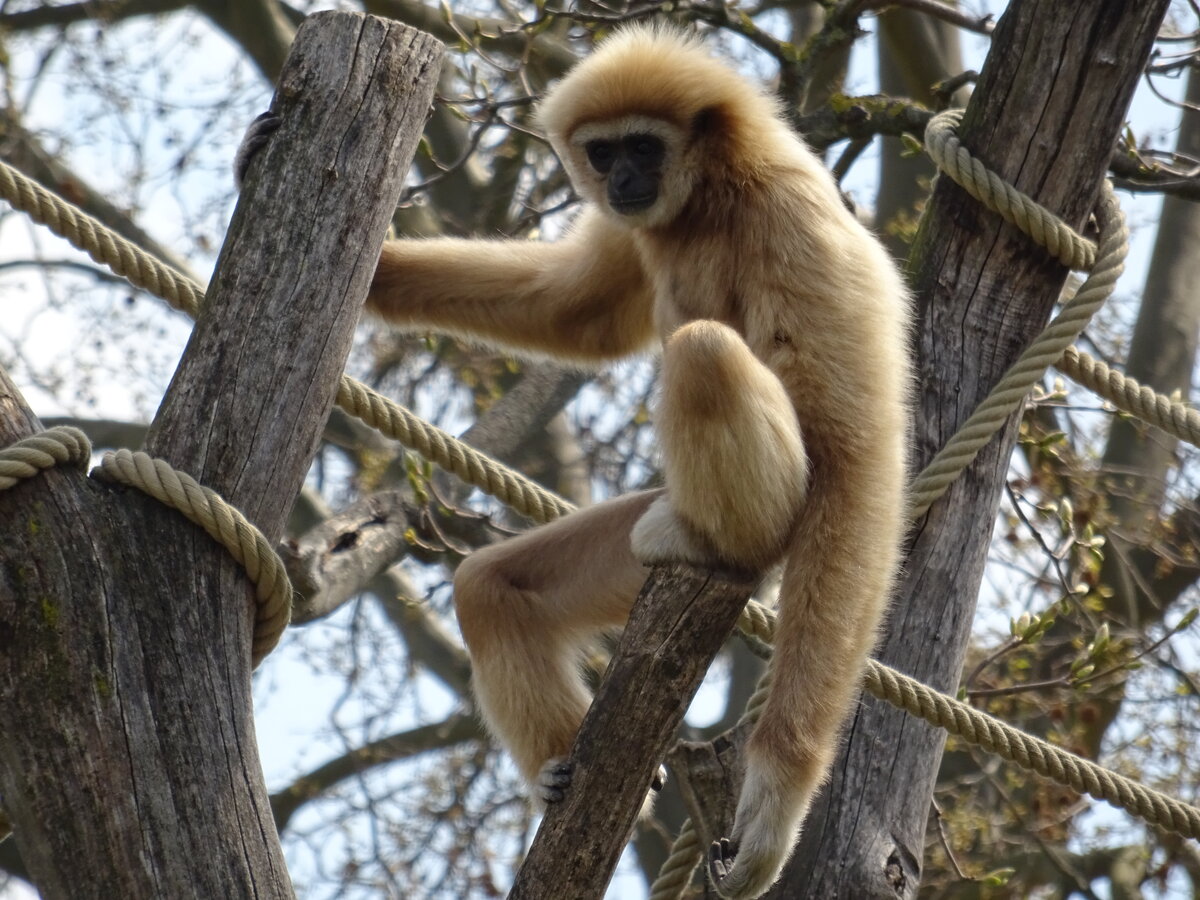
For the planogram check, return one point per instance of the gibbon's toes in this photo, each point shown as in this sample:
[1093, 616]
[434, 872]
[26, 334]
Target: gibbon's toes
[720, 860]
[255, 138]
[659, 781]
[554, 779]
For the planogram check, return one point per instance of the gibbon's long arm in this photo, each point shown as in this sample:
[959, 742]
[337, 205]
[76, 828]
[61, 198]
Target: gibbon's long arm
[584, 298]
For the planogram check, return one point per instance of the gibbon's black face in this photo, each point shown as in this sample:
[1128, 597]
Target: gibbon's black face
[632, 167]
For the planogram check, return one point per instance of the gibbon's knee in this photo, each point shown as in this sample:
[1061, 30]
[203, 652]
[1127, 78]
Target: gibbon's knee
[735, 464]
[486, 601]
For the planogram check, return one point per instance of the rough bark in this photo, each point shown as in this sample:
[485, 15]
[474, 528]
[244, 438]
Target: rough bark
[1048, 107]
[127, 751]
[678, 624]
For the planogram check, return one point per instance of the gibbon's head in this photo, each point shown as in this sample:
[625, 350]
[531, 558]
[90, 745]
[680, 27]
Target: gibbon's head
[651, 118]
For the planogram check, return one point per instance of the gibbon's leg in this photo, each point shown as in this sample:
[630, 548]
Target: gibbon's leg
[735, 465]
[525, 607]
[836, 580]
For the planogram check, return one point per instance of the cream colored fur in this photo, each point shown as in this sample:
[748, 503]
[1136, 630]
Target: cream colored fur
[782, 419]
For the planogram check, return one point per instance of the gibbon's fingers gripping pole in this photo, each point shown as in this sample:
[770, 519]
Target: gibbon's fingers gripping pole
[138, 746]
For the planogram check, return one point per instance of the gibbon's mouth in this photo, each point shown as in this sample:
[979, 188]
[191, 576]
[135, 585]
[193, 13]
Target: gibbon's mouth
[630, 205]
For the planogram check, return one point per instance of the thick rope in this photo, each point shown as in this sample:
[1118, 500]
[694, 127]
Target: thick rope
[451, 454]
[53, 447]
[99, 242]
[997, 737]
[63, 444]
[227, 526]
[1127, 395]
[1030, 752]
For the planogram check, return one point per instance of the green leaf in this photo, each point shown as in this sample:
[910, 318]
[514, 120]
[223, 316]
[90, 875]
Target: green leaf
[998, 877]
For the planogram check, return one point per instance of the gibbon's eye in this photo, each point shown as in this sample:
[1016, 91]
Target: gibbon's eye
[646, 150]
[601, 155]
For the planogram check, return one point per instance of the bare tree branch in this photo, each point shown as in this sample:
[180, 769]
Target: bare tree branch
[457, 729]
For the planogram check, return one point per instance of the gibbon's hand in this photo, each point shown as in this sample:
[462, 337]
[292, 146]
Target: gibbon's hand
[255, 138]
[720, 859]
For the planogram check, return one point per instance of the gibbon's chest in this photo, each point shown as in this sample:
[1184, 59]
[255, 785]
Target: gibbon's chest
[782, 314]
[691, 284]
[710, 280]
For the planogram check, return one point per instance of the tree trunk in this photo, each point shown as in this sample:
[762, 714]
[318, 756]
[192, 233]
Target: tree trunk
[1045, 116]
[128, 760]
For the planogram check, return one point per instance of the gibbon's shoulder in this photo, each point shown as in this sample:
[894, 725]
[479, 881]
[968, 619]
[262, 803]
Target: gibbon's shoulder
[659, 72]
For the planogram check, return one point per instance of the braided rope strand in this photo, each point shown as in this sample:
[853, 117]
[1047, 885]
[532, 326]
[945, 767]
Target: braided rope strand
[997, 737]
[1030, 752]
[1016, 208]
[431, 442]
[227, 526]
[56, 446]
[99, 242]
[1125, 393]
[676, 872]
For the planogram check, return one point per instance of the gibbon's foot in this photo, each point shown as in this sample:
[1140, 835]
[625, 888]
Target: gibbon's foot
[255, 138]
[554, 779]
[720, 860]
[659, 536]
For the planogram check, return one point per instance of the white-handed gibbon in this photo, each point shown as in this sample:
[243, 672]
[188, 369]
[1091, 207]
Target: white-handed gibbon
[711, 230]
